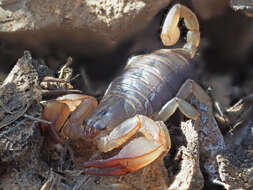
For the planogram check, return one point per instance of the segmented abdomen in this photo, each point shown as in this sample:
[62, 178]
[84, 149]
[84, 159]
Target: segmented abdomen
[149, 81]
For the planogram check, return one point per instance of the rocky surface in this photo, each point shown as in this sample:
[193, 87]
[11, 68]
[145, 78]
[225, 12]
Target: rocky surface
[102, 22]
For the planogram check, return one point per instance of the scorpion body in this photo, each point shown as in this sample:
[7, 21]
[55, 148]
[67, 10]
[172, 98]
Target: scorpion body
[151, 87]
[149, 81]
[146, 84]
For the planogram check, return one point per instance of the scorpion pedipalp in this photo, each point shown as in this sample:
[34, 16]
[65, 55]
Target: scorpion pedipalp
[138, 153]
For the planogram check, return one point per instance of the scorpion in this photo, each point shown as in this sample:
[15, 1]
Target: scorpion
[148, 91]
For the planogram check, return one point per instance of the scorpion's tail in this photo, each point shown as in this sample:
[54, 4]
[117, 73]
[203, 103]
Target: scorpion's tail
[171, 33]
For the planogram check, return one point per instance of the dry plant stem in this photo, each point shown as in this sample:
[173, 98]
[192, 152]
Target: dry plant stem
[63, 155]
[240, 112]
[58, 92]
[67, 64]
[75, 77]
[66, 70]
[37, 119]
[53, 182]
[46, 185]
[240, 118]
[85, 180]
[189, 176]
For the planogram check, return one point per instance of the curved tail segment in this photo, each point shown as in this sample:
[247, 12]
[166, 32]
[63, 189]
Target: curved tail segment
[170, 32]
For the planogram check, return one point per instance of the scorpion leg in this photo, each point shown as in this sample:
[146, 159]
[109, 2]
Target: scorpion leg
[137, 153]
[170, 32]
[189, 87]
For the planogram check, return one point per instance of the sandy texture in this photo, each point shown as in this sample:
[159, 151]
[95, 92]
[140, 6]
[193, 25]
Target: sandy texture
[104, 22]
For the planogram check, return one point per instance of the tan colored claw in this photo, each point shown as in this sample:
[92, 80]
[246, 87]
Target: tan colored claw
[138, 153]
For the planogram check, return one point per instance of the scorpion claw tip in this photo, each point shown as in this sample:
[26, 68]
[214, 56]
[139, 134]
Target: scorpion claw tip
[90, 131]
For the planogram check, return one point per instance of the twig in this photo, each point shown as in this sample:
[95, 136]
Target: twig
[78, 75]
[38, 119]
[85, 181]
[67, 64]
[59, 92]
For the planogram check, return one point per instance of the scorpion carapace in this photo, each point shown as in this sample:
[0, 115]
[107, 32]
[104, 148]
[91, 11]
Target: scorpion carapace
[149, 81]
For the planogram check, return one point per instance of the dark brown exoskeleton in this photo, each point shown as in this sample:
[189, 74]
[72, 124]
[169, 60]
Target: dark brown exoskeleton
[149, 81]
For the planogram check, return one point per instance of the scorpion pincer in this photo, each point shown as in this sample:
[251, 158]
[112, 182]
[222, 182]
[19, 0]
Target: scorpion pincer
[151, 87]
